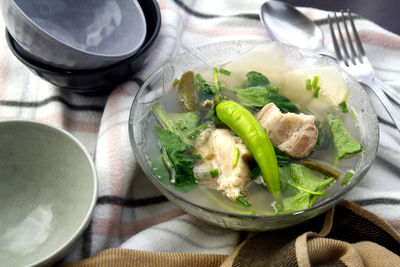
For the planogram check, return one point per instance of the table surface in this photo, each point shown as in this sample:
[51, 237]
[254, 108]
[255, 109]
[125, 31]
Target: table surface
[383, 12]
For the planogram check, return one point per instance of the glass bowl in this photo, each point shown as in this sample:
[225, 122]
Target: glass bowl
[207, 57]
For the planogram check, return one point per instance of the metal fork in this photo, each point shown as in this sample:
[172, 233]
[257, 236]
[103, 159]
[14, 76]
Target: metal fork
[358, 65]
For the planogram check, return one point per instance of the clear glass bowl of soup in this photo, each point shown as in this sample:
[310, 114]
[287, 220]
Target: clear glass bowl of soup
[209, 204]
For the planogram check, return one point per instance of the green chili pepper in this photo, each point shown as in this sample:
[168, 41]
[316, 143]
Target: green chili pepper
[247, 127]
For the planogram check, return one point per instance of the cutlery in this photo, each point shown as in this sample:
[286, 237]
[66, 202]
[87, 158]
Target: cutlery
[356, 63]
[288, 25]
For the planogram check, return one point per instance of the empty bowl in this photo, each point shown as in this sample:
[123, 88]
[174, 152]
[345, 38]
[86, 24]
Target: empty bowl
[76, 35]
[103, 79]
[48, 190]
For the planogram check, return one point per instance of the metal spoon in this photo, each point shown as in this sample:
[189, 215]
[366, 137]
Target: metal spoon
[288, 25]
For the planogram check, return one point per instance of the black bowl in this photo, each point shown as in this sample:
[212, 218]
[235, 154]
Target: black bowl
[98, 80]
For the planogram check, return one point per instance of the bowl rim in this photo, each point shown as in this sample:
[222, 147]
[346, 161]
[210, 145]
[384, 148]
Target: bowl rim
[333, 200]
[76, 73]
[64, 248]
[62, 43]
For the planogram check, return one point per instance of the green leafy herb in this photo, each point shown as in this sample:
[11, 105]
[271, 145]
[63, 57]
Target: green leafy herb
[316, 91]
[255, 97]
[282, 102]
[197, 131]
[256, 92]
[181, 124]
[182, 161]
[242, 201]
[308, 84]
[217, 83]
[161, 117]
[343, 106]
[344, 142]
[224, 71]
[318, 125]
[302, 186]
[255, 79]
[204, 87]
[282, 159]
[315, 82]
[175, 82]
[347, 177]
[214, 173]
[313, 85]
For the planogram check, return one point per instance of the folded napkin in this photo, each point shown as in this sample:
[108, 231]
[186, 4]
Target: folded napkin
[347, 235]
[130, 212]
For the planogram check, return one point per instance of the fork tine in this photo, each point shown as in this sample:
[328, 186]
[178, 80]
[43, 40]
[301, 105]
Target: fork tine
[334, 40]
[344, 47]
[355, 33]
[350, 42]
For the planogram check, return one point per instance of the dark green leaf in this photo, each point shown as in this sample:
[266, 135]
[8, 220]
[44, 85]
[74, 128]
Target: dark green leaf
[343, 106]
[344, 142]
[243, 202]
[256, 97]
[182, 161]
[302, 186]
[256, 79]
[282, 102]
[224, 71]
[347, 177]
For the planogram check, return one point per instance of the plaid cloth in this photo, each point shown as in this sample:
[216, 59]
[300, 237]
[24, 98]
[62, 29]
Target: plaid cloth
[130, 211]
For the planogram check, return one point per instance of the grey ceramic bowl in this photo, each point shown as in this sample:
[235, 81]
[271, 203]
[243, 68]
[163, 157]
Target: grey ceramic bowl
[76, 35]
[48, 189]
[196, 202]
[103, 80]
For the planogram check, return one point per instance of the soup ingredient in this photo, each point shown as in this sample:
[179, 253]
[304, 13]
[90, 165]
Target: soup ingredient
[333, 89]
[197, 131]
[343, 106]
[347, 177]
[182, 124]
[246, 126]
[308, 85]
[214, 173]
[294, 134]
[345, 144]
[216, 150]
[235, 157]
[242, 201]
[302, 186]
[313, 85]
[256, 92]
[255, 97]
[175, 146]
[321, 168]
[181, 160]
[264, 58]
[224, 71]
[188, 92]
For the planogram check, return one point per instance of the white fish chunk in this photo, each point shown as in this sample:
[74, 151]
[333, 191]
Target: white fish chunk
[294, 134]
[216, 148]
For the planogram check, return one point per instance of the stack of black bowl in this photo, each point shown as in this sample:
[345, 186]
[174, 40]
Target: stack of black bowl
[97, 80]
